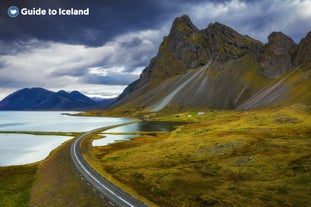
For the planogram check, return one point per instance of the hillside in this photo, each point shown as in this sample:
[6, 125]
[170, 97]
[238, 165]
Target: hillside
[220, 68]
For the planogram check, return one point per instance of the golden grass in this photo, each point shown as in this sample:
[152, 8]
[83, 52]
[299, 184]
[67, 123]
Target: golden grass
[222, 158]
[92, 158]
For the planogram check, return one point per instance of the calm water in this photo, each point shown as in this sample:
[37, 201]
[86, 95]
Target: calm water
[144, 126]
[52, 122]
[18, 149]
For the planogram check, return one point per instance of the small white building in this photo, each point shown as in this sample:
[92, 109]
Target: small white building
[201, 113]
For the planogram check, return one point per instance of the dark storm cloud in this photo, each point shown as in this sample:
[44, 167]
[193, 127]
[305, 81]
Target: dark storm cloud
[107, 18]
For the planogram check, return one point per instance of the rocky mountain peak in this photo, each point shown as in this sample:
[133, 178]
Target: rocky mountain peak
[225, 43]
[304, 50]
[221, 29]
[183, 49]
[182, 24]
[279, 43]
[277, 56]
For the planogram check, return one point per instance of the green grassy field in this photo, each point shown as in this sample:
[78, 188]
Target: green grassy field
[221, 158]
[15, 185]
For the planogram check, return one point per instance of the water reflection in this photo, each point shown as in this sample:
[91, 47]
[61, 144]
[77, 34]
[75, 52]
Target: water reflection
[144, 126]
[19, 149]
[147, 126]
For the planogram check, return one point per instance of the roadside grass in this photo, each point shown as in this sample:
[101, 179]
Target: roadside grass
[58, 183]
[15, 184]
[16, 181]
[222, 158]
[92, 158]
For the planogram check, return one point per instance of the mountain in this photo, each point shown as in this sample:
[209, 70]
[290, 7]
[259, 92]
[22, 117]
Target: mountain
[217, 67]
[103, 103]
[42, 99]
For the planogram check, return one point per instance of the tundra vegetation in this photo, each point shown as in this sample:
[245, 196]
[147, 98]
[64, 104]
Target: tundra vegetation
[221, 158]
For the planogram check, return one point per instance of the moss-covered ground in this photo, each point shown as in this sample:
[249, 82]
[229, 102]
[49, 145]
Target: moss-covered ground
[221, 158]
[15, 185]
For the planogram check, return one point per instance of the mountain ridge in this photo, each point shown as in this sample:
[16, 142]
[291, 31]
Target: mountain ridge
[241, 67]
[42, 99]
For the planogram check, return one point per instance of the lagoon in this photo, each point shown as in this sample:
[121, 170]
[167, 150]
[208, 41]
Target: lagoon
[16, 149]
[19, 149]
[53, 121]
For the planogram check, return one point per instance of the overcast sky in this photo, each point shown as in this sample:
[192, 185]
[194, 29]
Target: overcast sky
[102, 53]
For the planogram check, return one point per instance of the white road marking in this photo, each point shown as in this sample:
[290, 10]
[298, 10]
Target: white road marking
[94, 178]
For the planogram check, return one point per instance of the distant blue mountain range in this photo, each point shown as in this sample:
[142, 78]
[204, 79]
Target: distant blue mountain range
[42, 99]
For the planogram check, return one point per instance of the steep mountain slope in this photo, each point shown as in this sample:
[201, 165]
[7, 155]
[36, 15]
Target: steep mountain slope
[219, 68]
[42, 99]
[293, 86]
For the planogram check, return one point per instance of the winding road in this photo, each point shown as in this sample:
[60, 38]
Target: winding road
[106, 189]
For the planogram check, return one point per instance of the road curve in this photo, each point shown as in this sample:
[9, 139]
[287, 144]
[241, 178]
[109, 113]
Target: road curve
[114, 194]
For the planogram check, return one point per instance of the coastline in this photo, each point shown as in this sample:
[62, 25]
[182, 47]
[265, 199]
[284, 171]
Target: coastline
[49, 182]
[46, 179]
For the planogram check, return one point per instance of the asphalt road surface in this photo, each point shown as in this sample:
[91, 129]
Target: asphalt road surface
[106, 189]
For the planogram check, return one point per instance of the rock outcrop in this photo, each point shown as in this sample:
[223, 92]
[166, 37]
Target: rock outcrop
[304, 50]
[227, 44]
[277, 56]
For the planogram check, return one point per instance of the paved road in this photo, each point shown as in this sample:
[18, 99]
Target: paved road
[106, 189]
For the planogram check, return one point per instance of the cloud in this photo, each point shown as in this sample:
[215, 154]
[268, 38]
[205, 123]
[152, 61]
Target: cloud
[111, 76]
[106, 20]
[58, 65]
[256, 18]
